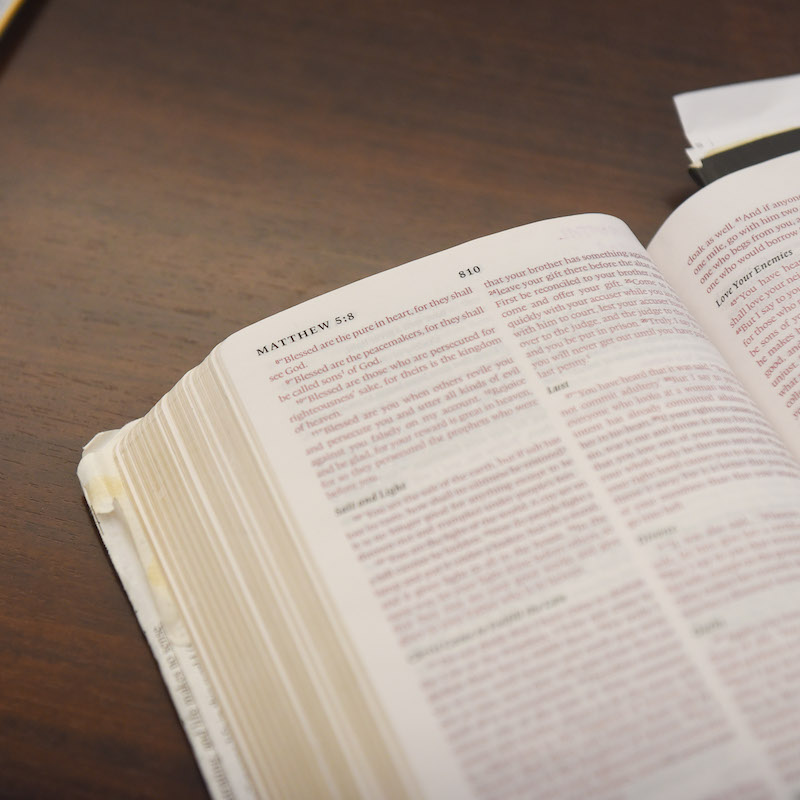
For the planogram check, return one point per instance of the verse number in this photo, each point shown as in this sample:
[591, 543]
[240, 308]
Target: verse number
[345, 318]
[465, 273]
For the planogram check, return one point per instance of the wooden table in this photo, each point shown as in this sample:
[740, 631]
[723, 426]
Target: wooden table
[170, 172]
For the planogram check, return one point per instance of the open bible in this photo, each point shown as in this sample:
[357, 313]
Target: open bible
[518, 519]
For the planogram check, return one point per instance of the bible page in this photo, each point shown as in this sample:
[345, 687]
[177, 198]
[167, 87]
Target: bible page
[732, 252]
[555, 527]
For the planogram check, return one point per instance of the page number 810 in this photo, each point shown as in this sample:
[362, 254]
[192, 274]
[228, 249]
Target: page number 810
[465, 273]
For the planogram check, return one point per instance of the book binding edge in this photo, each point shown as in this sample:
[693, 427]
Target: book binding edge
[192, 696]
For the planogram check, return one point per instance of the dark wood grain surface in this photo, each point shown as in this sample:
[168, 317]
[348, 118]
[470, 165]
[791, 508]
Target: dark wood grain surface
[170, 172]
